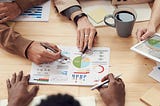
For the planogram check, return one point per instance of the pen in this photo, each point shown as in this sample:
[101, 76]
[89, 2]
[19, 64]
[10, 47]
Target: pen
[86, 47]
[53, 50]
[102, 83]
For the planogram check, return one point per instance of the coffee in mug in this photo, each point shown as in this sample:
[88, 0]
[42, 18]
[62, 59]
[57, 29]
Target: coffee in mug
[124, 19]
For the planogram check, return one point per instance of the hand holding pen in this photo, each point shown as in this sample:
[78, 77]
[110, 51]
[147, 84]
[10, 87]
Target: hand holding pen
[86, 45]
[104, 82]
[39, 54]
[53, 50]
[114, 93]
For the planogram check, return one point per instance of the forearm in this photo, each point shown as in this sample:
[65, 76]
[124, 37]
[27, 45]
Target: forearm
[12, 41]
[155, 17]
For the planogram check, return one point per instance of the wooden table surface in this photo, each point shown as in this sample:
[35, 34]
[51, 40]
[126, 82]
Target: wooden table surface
[61, 31]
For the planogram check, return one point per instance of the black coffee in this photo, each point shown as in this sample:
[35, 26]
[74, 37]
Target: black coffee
[125, 16]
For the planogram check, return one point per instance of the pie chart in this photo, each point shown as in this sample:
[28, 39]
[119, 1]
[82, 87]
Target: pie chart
[80, 62]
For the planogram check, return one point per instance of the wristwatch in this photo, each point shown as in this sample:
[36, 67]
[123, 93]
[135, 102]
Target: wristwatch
[77, 17]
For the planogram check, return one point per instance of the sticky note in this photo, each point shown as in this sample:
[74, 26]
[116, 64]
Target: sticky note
[97, 14]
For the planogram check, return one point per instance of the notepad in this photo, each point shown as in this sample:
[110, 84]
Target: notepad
[97, 14]
[84, 101]
[152, 96]
[97, 10]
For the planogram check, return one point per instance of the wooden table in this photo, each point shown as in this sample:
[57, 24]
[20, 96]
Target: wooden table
[135, 68]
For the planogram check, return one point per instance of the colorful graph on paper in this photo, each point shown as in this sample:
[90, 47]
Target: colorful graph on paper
[84, 70]
[37, 13]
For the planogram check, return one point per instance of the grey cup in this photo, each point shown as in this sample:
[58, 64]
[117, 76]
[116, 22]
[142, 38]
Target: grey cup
[124, 19]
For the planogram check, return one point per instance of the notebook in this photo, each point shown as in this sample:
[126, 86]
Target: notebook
[152, 96]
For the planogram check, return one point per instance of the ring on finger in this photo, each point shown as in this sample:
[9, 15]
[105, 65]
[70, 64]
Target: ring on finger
[86, 35]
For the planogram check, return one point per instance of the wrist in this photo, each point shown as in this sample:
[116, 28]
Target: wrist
[13, 103]
[18, 8]
[80, 17]
[152, 24]
[27, 49]
[116, 104]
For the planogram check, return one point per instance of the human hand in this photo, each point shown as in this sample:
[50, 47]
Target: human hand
[38, 54]
[86, 33]
[144, 33]
[9, 11]
[114, 94]
[18, 94]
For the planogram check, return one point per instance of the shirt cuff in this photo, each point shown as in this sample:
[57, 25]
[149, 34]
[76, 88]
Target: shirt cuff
[68, 12]
[22, 44]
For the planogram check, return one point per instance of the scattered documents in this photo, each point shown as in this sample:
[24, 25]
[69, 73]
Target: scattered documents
[151, 97]
[86, 70]
[84, 101]
[155, 74]
[143, 11]
[37, 13]
[149, 48]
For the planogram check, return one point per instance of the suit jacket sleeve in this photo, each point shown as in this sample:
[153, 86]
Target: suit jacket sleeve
[65, 4]
[26, 4]
[12, 41]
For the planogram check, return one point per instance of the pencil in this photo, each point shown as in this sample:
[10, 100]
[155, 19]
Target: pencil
[102, 83]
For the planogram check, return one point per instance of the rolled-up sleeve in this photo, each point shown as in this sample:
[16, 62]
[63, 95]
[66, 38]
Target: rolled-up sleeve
[12, 41]
[65, 4]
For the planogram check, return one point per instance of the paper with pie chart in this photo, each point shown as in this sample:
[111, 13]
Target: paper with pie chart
[87, 69]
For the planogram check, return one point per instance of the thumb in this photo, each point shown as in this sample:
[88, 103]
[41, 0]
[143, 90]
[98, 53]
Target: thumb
[146, 35]
[33, 92]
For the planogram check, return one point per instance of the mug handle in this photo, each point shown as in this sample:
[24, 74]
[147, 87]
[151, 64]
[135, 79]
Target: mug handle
[105, 20]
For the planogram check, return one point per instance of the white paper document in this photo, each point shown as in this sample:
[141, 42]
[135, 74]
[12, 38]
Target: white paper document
[149, 48]
[37, 13]
[85, 70]
[84, 101]
[155, 74]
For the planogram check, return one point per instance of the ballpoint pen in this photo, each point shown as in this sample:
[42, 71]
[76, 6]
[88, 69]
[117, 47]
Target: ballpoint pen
[53, 50]
[86, 47]
[102, 83]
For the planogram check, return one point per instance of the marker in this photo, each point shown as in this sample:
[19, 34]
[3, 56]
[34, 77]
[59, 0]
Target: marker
[102, 83]
[53, 50]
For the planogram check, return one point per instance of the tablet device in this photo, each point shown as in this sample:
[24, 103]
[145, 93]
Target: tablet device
[149, 48]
